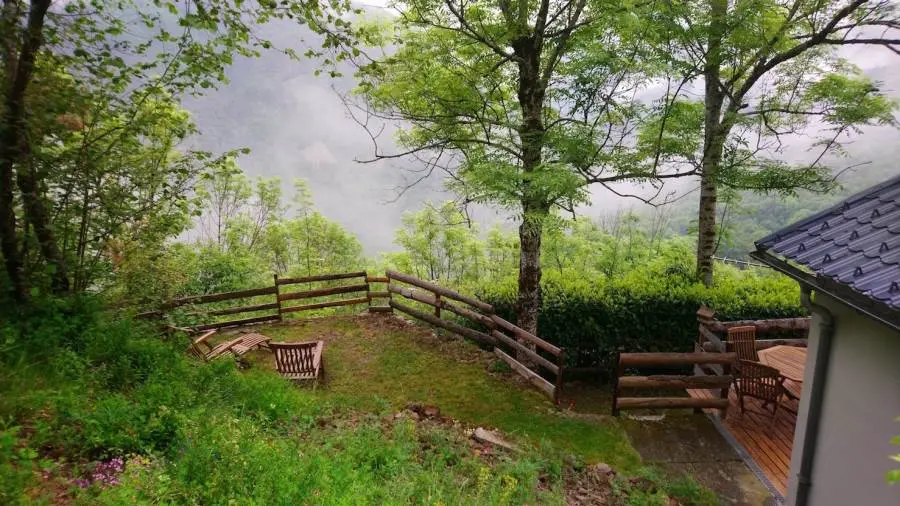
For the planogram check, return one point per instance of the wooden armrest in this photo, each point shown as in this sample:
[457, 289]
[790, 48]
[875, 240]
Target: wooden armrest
[204, 336]
[202, 339]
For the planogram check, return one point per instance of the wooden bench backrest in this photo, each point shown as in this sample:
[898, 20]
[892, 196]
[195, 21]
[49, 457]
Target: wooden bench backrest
[200, 342]
[742, 341]
[758, 380]
[296, 358]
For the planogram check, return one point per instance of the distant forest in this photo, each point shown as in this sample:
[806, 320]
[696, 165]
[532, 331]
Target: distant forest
[746, 217]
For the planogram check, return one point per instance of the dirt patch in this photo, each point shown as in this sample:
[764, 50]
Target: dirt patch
[690, 445]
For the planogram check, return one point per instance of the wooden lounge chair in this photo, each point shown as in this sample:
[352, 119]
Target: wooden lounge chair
[299, 361]
[759, 381]
[742, 341]
[202, 349]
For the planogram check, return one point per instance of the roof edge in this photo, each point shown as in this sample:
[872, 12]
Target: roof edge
[830, 210]
[872, 308]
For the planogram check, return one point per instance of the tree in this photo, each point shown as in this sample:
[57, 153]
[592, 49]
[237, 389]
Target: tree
[770, 69]
[182, 48]
[224, 193]
[21, 44]
[522, 104]
[440, 244]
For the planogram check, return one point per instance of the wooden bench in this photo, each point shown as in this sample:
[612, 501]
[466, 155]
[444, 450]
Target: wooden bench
[250, 341]
[202, 349]
[299, 361]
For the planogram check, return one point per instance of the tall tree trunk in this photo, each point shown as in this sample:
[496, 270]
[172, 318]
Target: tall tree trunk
[713, 144]
[528, 304]
[9, 243]
[36, 215]
[13, 140]
[534, 204]
[706, 228]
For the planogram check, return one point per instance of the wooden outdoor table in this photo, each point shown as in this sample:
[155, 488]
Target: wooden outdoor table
[790, 362]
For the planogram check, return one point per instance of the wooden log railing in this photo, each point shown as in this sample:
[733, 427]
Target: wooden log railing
[700, 380]
[508, 340]
[196, 302]
[711, 332]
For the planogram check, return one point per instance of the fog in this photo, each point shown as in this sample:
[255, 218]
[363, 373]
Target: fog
[296, 126]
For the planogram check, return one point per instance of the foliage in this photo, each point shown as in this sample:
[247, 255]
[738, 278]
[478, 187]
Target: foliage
[439, 243]
[243, 236]
[651, 307]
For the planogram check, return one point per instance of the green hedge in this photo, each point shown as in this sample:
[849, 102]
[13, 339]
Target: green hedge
[651, 309]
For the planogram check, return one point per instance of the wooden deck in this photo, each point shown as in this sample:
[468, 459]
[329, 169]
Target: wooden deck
[767, 441]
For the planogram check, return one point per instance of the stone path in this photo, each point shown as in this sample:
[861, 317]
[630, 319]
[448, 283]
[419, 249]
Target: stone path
[690, 444]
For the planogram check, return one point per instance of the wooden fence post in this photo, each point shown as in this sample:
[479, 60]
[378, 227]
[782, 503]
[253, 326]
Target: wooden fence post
[560, 362]
[619, 371]
[278, 297]
[368, 289]
[726, 371]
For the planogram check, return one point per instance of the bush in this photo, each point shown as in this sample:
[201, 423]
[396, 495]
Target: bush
[650, 309]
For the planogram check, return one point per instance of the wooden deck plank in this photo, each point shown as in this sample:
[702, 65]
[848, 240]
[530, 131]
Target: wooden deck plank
[768, 444]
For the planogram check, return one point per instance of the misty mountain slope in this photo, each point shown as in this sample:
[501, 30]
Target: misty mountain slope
[297, 127]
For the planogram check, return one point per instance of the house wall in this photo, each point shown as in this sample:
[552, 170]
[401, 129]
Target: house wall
[861, 401]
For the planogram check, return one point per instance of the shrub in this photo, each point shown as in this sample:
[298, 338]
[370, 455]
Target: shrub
[648, 309]
[16, 464]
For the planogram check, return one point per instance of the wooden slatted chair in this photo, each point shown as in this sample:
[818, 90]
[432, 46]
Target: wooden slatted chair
[761, 382]
[742, 341]
[299, 361]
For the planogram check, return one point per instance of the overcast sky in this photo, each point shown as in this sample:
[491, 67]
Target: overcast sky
[297, 127]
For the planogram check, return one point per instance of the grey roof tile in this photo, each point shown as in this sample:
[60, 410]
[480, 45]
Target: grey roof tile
[855, 243]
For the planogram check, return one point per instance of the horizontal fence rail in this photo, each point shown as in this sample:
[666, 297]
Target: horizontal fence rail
[720, 380]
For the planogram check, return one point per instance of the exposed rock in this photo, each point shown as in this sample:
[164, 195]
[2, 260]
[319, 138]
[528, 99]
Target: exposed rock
[602, 468]
[493, 437]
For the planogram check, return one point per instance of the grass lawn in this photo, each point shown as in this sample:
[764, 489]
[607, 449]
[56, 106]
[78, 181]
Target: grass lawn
[373, 359]
[119, 416]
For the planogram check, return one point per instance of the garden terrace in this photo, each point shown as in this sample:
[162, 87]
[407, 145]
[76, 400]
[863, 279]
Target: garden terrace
[419, 299]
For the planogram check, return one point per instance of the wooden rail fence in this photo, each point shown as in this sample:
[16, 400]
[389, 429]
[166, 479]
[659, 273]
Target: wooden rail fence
[508, 340]
[279, 296]
[500, 334]
[711, 332]
[700, 380]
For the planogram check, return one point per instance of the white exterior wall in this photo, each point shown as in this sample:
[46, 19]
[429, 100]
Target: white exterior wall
[861, 401]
